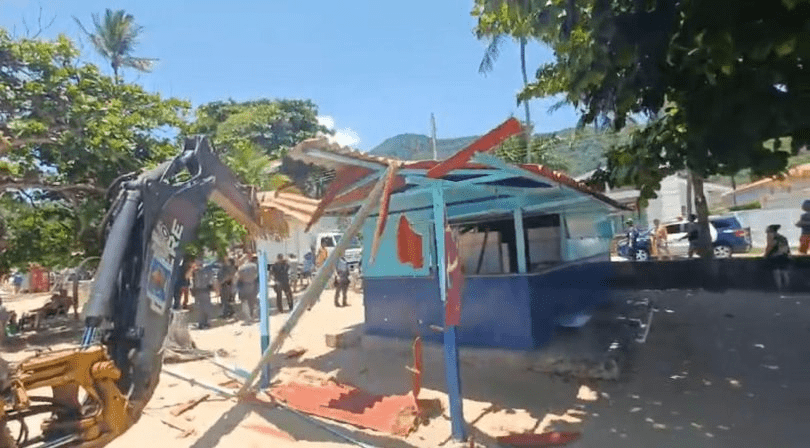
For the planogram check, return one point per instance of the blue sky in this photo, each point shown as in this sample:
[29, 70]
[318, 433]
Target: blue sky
[375, 69]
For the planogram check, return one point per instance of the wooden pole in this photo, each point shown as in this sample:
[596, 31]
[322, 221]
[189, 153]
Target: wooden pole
[264, 314]
[315, 288]
[451, 358]
[520, 241]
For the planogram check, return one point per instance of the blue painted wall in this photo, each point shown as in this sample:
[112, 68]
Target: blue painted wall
[500, 311]
[504, 311]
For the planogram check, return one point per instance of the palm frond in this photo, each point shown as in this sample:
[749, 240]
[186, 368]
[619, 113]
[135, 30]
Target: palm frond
[140, 64]
[491, 53]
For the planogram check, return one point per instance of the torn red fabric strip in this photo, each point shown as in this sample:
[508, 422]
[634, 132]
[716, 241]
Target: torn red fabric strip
[384, 204]
[455, 279]
[344, 177]
[358, 194]
[539, 440]
[409, 244]
[492, 139]
[345, 403]
[418, 365]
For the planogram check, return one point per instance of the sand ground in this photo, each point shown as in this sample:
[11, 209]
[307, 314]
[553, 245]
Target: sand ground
[717, 370]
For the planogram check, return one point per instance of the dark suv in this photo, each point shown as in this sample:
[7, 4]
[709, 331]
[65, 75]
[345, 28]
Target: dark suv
[732, 238]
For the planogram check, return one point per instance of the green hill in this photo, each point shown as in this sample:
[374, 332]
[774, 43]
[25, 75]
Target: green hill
[417, 147]
[582, 150]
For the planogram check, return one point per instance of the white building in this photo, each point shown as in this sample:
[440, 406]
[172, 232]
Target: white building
[297, 211]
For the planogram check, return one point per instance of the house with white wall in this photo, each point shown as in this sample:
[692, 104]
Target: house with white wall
[671, 203]
[297, 211]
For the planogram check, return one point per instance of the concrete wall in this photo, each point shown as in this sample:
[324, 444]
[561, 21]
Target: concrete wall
[759, 220]
[774, 195]
[671, 201]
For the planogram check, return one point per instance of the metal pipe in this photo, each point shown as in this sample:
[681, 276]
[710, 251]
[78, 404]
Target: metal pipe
[99, 304]
[202, 384]
[318, 283]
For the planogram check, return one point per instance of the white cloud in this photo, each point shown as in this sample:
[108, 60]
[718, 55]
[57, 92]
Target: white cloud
[326, 120]
[346, 137]
[343, 136]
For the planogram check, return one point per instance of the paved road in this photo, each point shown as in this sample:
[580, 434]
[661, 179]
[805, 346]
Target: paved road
[718, 370]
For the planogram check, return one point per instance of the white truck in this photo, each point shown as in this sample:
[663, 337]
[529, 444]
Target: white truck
[354, 254]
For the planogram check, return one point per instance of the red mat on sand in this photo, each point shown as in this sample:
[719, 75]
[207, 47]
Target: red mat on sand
[345, 403]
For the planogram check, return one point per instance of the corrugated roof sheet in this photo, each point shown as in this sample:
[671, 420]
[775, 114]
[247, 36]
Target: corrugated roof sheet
[293, 205]
[300, 152]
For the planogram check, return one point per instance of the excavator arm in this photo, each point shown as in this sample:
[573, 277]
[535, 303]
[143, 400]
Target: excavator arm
[117, 365]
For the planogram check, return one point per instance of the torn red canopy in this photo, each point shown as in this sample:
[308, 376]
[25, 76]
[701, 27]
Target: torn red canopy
[492, 139]
[409, 244]
[383, 217]
[345, 403]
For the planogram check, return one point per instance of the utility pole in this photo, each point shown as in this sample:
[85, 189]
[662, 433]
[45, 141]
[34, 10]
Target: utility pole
[433, 136]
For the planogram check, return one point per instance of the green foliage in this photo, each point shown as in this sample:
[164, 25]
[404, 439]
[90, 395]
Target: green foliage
[115, 39]
[44, 234]
[716, 78]
[513, 150]
[217, 232]
[66, 132]
[750, 206]
[249, 137]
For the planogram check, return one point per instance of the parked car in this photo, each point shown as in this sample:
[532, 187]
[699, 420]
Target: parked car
[728, 237]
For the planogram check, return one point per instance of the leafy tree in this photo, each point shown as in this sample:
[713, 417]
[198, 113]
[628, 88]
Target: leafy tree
[513, 150]
[37, 234]
[252, 138]
[67, 132]
[115, 38]
[714, 87]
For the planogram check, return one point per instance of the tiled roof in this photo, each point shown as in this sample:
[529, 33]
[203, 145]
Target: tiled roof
[798, 171]
[299, 153]
[293, 205]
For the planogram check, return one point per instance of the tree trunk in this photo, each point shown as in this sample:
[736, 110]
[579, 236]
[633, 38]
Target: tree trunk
[526, 102]
[688, 193]
[704, 244]
[733, 191]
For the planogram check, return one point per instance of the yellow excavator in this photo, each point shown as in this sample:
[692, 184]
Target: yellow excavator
[100, 388]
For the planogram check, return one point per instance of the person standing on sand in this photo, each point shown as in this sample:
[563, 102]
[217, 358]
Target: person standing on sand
[280, 272]
[692, 234]
[202, 283]
[226, 277]
[659, 245]
[18, 280]
[804, 224]
[632, 239]
[248, 286]
[341, 281]
[323, 254]
[777, 252]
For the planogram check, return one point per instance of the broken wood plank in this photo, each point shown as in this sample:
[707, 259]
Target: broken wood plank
[295, 353]
[346, 339]
[191, 404]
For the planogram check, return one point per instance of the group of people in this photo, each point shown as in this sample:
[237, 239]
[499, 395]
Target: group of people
[198, 280]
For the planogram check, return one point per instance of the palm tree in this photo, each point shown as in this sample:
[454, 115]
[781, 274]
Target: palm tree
[494, 49]
[115, 39]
